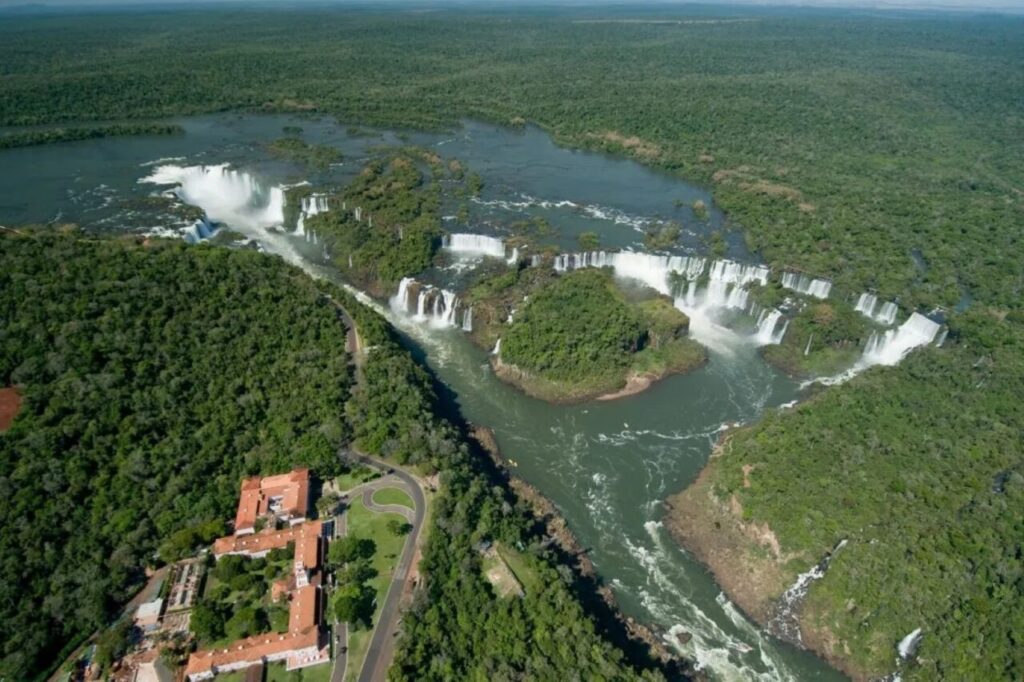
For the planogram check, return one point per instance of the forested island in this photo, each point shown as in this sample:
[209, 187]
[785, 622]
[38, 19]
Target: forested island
[576, 337]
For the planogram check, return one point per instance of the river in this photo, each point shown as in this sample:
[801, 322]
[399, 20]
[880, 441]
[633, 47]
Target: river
[606, 465]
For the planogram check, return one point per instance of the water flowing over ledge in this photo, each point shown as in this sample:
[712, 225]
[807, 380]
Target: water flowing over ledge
[425, 303]
[806, 285]
[474, 244]
[883, 312]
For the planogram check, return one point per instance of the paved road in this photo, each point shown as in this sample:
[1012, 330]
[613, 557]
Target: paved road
[340, 629]
[382, 644]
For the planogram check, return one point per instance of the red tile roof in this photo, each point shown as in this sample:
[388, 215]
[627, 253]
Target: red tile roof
[254, 501]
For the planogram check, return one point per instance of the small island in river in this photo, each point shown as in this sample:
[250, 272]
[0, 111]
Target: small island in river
[577, 336]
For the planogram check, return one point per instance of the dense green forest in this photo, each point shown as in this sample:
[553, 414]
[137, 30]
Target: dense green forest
[458, 628]
[154, 379]
[844, 143]
[921, 469]
[398, 225]
[28, 138]
[155, 376]
[578, 336]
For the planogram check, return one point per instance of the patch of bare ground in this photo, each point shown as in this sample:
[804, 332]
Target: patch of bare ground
[748, 180]
[744, 557]
[633, 144]
[10, 403]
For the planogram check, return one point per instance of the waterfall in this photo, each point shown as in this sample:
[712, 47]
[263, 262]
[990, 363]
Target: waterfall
[883, 312]
[908, 645]
[888, 348]
[350, 261]
[806, 285]
[807, 350]
[514, 258]
[438, 307]
[199, 231]
[767, 322]
[535, 260]
[226, 196]
[784, 623]
[651, 269]
[497, 347]
[311, 205]
[891, 346]
[474, 244]
[358, 212]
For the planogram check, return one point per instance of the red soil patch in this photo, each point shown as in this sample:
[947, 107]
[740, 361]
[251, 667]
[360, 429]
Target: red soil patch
[10, 403]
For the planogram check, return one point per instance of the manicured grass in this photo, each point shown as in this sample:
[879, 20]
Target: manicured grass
[357, 475]
[276, 672]
[364, 523]
[393, 496]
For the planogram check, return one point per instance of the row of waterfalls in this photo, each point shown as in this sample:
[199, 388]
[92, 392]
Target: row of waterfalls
[701, 287]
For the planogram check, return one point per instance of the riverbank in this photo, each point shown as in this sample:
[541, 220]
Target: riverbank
[576, 558]
[747, 561]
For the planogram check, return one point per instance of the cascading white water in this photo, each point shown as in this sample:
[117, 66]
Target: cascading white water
[883, 312]
[651, 269]
[768, 331]
[908, 645]
[226, 195]
[784, 622]
[891, 346]
[474, 244]
[311, 205]
[807, 350]
[497, 348]
[806, 285]
[514, 258]
[199, 231]
[438, 307]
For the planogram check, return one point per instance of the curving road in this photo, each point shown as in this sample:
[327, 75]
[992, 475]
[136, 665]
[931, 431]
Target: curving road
[382, 644]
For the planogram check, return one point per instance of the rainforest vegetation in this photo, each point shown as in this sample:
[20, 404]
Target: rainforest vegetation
[154, 378]
[298, 150]
[920, 468]
[28, 138]
[386, 224]
[577, 336]
[840, 141]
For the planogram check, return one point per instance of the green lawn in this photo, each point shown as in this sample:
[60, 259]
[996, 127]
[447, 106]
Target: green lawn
[316, 673]
[366, 524]
[357, 475]
[517, 563]
[393, 496]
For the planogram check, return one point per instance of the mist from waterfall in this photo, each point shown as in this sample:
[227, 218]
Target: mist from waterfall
[226, 195]
[425, 303]
[474, 244]
[700, 288]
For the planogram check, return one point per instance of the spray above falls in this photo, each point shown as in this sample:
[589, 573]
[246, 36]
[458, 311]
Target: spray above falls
[701, 288]
[474, 245]
[226, 195]
[426, 303]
